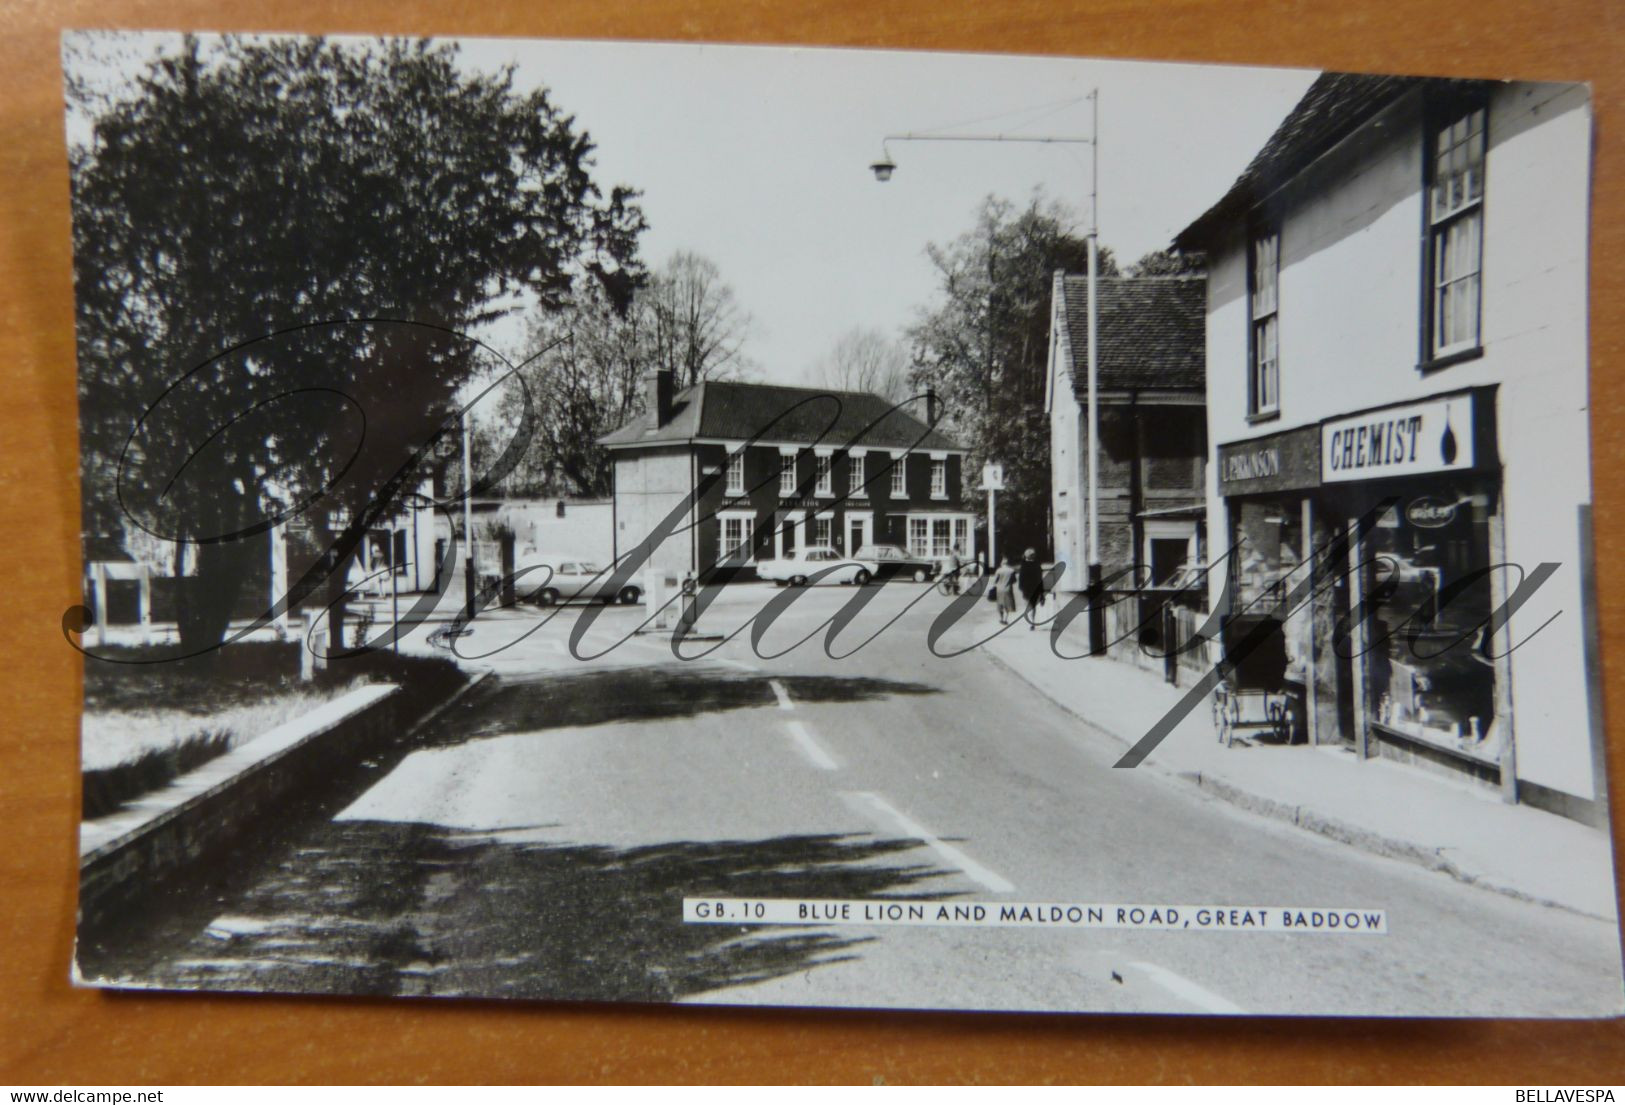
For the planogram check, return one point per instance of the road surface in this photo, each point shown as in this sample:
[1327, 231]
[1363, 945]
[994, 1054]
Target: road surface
[538, 841]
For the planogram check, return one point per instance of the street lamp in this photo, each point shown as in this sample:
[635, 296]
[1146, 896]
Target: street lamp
[469, 567]
[883, 170]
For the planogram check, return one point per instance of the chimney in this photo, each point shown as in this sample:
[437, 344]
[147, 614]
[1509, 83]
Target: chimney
[931, 411]
[657, 392]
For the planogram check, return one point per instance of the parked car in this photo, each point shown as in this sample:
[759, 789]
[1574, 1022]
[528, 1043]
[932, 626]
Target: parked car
[890, 561]
[799, 568]
[549, 580]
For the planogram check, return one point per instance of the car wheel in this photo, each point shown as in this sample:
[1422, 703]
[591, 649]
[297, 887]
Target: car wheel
[798, 581]
[862, 578]
[547, 596]
[921, 575]
[629, 596]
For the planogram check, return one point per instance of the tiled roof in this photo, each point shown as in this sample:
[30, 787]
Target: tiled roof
[1153, 332]
[731, 411]
[1334, 106]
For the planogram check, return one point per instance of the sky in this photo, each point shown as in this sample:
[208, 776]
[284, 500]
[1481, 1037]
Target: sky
[758, 158]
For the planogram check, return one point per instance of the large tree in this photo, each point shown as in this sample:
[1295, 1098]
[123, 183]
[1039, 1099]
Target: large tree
[280, 247]
[696, 325]
[582, 379]
[865, 359]
[984, 348]
[584, 368]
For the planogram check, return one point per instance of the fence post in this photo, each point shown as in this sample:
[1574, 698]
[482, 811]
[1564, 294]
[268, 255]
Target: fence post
[509, 598]
[307, 667]
[1170, 643]
[98, 600]
[143, 599]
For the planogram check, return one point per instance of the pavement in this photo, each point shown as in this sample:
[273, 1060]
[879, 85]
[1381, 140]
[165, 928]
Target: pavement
[1392, 809]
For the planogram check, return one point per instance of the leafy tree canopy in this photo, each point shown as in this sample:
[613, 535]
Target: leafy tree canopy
[984, 347]
[1168, 262]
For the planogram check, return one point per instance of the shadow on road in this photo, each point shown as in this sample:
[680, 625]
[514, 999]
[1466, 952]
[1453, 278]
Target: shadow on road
[366, 907]
[643, 694]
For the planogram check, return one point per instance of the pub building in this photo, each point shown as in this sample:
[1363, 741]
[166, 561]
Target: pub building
[1399, 426]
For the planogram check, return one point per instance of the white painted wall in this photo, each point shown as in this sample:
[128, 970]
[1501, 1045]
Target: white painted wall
[586, 530]
[1350, 303]
[648, 486]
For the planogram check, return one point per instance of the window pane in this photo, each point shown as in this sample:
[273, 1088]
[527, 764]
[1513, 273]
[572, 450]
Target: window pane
[1458, 165]
[1266, 265]
[1457, 257]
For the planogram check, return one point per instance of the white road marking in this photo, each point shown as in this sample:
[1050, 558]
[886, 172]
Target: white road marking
[781, 694]
[810, 747]
[1186, 990]
[973, 870]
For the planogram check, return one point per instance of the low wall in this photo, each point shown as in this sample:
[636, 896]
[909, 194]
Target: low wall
[206, 813]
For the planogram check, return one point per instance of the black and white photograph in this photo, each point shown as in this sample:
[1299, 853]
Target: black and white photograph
[764, 526]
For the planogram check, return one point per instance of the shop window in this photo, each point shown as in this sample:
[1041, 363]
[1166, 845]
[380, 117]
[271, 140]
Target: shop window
[1455, 232]
[821, 531]
[1430, 676]
[1264, 379]
[1268, 544]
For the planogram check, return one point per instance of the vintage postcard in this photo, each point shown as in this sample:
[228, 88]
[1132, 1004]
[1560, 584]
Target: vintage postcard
[657, 523]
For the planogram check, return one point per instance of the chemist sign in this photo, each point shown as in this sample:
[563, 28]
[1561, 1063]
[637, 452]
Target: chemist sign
[1411, 439]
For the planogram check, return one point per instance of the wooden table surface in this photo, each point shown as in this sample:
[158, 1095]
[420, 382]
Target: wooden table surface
[50, 1033]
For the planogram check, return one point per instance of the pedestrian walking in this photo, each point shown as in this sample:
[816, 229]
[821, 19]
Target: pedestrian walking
[952, 571]
[1003, 589]
[1030, 581]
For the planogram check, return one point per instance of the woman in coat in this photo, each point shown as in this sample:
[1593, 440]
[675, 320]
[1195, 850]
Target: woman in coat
[1004, 589]
[1030, 580]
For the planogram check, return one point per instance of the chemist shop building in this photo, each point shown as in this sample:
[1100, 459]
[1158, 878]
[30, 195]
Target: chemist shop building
[1396, 394]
